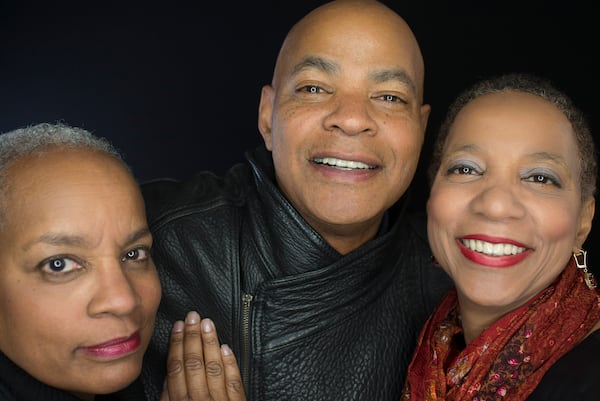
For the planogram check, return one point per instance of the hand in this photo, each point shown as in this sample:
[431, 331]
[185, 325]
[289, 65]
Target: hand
[198, 368]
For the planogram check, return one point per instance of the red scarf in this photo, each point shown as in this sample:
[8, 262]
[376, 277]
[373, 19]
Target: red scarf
[508, 359]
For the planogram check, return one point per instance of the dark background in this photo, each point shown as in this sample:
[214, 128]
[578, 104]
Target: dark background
[176, 85]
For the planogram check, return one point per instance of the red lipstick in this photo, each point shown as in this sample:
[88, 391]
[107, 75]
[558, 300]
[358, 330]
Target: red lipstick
[489, 260]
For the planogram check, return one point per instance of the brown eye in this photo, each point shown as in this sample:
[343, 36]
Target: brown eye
[462, 170]
[60, 265]
[132, 254]
[57, 265]
[137, 254]
[544, 179]
[312, 89]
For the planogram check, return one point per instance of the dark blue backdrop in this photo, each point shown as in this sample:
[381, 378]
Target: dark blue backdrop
[176, 86]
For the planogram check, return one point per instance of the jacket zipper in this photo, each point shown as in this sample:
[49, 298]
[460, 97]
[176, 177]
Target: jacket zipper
[245, 357]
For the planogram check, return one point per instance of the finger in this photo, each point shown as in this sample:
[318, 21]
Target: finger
[176, 381]
[164, 396]
[233, 377]
[213, 359]
[193, 357]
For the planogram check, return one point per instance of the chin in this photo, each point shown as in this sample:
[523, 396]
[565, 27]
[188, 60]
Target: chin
[116, 379]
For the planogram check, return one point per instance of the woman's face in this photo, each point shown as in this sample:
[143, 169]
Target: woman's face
[505, 209]
[78, 289]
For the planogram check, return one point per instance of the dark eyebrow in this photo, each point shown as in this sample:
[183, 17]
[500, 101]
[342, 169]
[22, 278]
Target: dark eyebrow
[547, 156]
[316, 62]
[136, 236]
[469, 147]
[379, 76]
[60, 239]
[540, 156]
[395, 74]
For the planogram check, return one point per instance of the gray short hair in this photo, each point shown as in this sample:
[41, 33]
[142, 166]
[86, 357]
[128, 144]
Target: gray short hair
[37, 139]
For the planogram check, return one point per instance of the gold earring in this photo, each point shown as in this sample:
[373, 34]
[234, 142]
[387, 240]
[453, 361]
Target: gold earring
[581, 261]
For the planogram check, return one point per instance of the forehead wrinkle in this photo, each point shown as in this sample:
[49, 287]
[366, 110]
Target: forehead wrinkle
[316, 62]
[59, 239]
[56, 239]
[395, 74]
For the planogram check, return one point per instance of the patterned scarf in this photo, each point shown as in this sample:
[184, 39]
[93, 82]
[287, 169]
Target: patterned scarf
[509, 358]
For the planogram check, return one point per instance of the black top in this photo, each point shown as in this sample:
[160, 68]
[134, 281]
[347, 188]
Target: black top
[18, 385]
[574, 377]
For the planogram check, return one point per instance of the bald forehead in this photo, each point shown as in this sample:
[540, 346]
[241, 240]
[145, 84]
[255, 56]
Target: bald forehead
[352, 13]
[338, 25]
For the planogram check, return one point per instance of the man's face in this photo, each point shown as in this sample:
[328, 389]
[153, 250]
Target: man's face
[344, 121]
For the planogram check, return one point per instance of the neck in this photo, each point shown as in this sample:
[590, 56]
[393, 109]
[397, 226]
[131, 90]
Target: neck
[85, 397]
[345, 238]
[472, 328]
[476, 318]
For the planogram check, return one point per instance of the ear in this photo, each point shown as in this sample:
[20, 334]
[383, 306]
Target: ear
[585, 221]
[265, 115]
[425, 111]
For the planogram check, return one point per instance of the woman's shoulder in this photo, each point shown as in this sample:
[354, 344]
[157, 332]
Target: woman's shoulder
[575, 376]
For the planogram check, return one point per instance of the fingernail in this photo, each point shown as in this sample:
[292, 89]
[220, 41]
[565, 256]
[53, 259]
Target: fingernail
[178, 326]
[192, 317]
[226, 350]
[207, 325]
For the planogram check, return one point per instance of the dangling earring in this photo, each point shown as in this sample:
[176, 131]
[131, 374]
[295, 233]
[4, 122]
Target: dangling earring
[581, 261]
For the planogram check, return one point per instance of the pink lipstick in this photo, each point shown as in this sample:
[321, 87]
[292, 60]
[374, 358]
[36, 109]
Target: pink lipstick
[115, 348]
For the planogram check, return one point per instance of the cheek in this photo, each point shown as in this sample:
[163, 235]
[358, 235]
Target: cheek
[149, 290]
[405, 137]
[286, 121]
[401, 158]
[442, 210]
[31, 328]
[405, 143]
[557, 228]
[442, 218]
[15, 309]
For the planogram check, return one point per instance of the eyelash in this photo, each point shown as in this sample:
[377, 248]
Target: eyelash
[132, 255]
[392, 99]
[315, 89]
[312, 89]
[547, 179]
[46, 266]
[136, 254]
[536, 178]
[460, 170]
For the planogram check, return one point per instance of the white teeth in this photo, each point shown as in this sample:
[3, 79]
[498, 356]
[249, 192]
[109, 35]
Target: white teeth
[343, 164]
[492, 249]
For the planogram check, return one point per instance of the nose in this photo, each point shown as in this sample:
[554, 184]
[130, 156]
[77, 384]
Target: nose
[498, 201]
[114, 292]
[350, 115]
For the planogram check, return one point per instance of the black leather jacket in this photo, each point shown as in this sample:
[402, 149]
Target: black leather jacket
[305, 322]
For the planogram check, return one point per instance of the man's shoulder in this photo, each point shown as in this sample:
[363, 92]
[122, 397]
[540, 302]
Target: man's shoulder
[203, 190]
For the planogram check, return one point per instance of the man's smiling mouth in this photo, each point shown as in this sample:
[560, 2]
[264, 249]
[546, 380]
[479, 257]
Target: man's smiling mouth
[343, 164]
